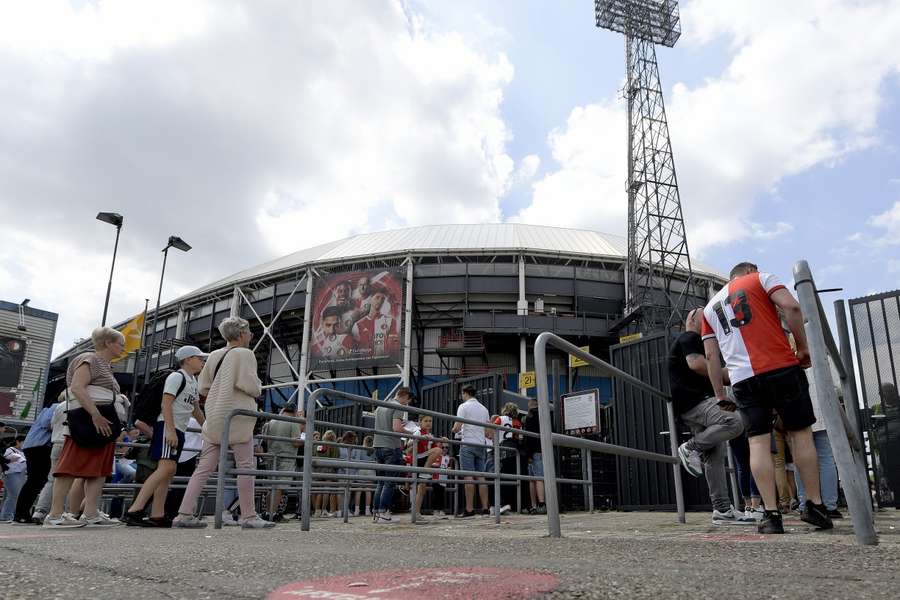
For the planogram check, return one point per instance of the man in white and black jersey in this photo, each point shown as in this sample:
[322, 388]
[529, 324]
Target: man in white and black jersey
[179, 403]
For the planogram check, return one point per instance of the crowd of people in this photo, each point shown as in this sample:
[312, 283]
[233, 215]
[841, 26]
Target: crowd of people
[737, 378]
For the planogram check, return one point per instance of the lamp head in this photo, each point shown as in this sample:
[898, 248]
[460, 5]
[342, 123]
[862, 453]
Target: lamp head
[177, 242]
[111, 218]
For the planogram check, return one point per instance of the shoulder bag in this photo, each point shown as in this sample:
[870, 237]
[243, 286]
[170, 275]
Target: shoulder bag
[81, 426]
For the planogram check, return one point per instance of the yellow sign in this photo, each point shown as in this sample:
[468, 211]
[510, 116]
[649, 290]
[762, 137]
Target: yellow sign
[132, 330]
[574, 361]
[527, 380]
[630, 338]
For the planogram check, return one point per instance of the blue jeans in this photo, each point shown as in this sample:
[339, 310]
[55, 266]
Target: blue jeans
[12, 484]
[828, 479]
[740, 448]
[384, 491]
[473, 459]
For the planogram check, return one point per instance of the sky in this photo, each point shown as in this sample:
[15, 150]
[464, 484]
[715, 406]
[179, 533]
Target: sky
[255, 129]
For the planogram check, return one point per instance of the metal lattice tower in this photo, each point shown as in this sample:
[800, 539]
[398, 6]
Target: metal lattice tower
[659, 277]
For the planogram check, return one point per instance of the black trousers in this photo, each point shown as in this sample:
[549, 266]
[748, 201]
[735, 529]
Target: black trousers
[38, 470]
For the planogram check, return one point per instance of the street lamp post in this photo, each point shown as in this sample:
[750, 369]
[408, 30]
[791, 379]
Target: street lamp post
[113, 219]
[179, 244]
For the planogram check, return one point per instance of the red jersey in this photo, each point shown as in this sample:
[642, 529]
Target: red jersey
[745, 322]
[333, 346]
[378, 334]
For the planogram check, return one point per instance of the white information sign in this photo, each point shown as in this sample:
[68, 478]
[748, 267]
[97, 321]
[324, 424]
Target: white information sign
[581, 412]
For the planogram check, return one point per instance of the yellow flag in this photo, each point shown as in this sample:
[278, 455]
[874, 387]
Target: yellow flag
[132, 330]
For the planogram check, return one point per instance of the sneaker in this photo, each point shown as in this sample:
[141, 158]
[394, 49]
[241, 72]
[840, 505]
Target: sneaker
[38, 517]
[163, 522]
[732, 517]
[6, 522]
[99, 521]
[188, 522]
[541, 509]
[278, 518]
[690, 460]
[64, 521]
[816, 515]
[256, 522]
[368, 512]
[466, 514]
[383, 519]
[770, 523]
[134, 519]
[835, 514]
[754, 513]
[228, 519]
[356, 513]
[438, 513]
[503, 509]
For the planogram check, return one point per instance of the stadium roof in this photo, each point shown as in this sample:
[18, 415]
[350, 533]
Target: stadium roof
[447, 239]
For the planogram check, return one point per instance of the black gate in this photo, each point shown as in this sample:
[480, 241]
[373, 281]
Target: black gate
[876, 327]
[641, 421]
[444, 397]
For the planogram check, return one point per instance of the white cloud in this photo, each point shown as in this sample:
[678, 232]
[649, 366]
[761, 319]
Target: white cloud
[249, 129]
[889, 224]
[803, 88]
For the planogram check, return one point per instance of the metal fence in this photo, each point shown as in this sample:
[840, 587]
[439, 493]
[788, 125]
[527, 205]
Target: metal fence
[550, 439]
[876, 328]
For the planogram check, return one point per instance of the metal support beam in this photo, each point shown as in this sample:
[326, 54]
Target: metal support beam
[304, 342]
[855, 482]
[407, 332]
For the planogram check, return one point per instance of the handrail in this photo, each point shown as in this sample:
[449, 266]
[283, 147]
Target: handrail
[548, 438]
[850, 468]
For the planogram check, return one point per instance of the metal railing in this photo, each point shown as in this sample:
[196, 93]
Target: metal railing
[842, 426]
[550, 439]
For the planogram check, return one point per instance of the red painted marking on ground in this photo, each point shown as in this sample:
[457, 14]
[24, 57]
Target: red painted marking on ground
[724, 537]
[467, 582]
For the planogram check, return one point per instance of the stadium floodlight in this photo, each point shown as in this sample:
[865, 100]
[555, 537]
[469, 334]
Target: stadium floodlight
[656, 21]
[656, 294]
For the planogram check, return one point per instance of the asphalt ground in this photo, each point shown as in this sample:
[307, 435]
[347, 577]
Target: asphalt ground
[602, 555]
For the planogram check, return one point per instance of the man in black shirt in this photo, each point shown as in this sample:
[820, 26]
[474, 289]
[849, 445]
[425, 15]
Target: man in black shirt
[711, 422]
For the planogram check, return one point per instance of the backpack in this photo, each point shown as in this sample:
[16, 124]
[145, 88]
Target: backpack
[148, 404]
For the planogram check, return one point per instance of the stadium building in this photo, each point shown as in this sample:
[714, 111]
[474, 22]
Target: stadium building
[480, 294]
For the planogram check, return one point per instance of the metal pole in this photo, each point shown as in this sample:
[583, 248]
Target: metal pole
[156, 316]
[590, 467]
[414, 490]
[851, 397]
[856, 486]
[220, 478]
[676, 468]
[111, 269]
[497, 457]
[543, 398]
[735, 489]
[308, 453]
[304, 345]
[137, 356]
[518, 481]
[407, 332]
[346, 502]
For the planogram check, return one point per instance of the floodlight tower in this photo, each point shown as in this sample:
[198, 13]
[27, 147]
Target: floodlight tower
[656, 286]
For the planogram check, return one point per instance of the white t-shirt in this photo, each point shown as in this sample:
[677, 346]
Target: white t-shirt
[16, 458]
[473, 410]
[184, 403]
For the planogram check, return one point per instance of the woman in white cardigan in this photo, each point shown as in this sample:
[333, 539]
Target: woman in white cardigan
[233, 385]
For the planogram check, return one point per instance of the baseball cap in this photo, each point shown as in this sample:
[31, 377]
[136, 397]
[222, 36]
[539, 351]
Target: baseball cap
[186, 352]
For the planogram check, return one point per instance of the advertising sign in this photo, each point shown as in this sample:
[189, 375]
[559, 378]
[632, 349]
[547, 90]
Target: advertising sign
[356, 320]
[581, 412]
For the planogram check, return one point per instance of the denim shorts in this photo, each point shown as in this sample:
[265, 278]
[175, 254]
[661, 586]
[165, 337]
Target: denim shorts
[536, 466]
[473, 459]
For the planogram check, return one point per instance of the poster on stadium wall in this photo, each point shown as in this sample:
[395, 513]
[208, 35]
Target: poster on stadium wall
[356, 320]
[12, 355]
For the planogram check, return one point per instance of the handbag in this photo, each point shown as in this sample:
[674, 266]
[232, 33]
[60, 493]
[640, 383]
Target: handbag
[81, 426]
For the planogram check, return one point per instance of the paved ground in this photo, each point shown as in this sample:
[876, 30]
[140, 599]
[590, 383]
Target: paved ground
[604, 555]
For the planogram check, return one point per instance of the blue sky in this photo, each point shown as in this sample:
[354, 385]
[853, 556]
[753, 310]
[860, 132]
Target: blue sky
[253, 130]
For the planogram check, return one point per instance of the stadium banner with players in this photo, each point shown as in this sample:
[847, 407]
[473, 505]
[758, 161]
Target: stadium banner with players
[357, 320]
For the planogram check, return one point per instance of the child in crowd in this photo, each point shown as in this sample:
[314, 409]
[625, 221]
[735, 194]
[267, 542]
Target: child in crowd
[322, 501]
[365, 454]
[428, 454]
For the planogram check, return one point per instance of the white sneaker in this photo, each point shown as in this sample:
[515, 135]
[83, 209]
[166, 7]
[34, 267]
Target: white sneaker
[756, 514]
[228, 519]
[256, 522]
[188, 522]
[38, 517]
[383, 519]
[690, 460]
[368, 512]
[356, 513]
[99, 521]
[438, 513]
[731, 517]
[63, 521]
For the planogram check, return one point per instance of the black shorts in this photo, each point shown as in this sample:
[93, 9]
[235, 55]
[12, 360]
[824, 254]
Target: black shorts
[159, 449]
[784, 390]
